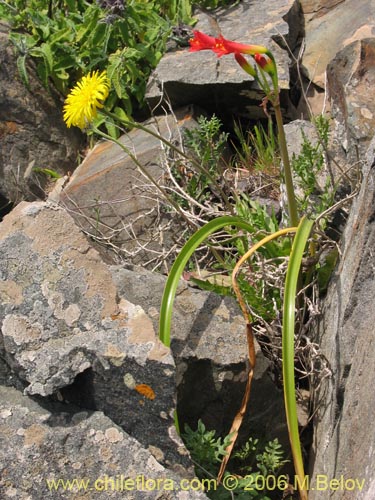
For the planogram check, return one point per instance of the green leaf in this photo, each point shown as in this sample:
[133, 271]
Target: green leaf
[44, 68]
[98, 35]
[21, 65]
[121, 113]
[178, 267]
[64, 63]
[117, 84]
[23, 42]
[325, 269]
[184, 11]
[47, 171]
[48, 56]
[71, 4]
[61, 36]
[112, 130]
[43, 73]
[90, 23]
[212, 287]
[291, 281]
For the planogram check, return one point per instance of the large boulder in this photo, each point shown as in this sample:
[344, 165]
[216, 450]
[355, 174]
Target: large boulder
[331, 25]
[57, 451]
[344, 430]
[75, 329]
[328, 27]
[208, 343]
[32, 130]
[350, 79]
[64, 330]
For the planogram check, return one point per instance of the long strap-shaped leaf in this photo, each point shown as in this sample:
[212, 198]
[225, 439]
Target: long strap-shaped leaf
[291, 281]
[237, 422]
[180, 263]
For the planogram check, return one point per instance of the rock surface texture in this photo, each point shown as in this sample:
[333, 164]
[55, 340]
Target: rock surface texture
[344, 424]
[111, 199]
[68, 333]
[330, 26]
[218, 84]
[210, 381]
[351, 80]
[43, 450]
[86, 388]
[63, 328]
[32, 131]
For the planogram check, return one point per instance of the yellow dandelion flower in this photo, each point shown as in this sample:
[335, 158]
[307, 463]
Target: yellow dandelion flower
[84, 99]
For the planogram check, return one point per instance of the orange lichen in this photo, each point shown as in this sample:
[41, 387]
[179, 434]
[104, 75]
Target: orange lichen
[145, 390]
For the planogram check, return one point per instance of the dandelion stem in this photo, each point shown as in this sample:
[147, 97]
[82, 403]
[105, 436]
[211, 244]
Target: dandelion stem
[148, 130]
[144, 172]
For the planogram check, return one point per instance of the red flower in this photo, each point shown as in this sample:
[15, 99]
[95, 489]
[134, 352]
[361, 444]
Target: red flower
[201, 41]
[221, 46]
[263, 61]
[267, 64]
[224, 46]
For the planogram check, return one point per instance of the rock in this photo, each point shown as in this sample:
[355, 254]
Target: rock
[220, 85]
[296, 133]
[351, 78]
[65, 332]
[208, 343]
[32, 131]
[111, 199]
[344, 430]
[317, 8]
[331, 25]
[307, 154]
[43, 449]
[76, 330]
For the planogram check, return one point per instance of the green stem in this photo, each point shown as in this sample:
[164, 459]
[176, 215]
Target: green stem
[292, 203]
[165, 195]
[131, 124]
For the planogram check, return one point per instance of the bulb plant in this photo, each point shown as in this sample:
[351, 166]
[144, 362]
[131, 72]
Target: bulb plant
[264, 71]
[81, 109]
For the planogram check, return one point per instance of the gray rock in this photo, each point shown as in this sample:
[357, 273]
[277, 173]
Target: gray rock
[296, 133]
[64, 329]
[208, 343]
[32, 131]
[220, 85]
[44, 448]
[331, 25]
[344, 431]
[71, 329]
[351, 76]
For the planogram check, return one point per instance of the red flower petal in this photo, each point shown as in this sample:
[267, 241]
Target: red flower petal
[261, 60]
[234, 47]
[201, 41]
[221, 46]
